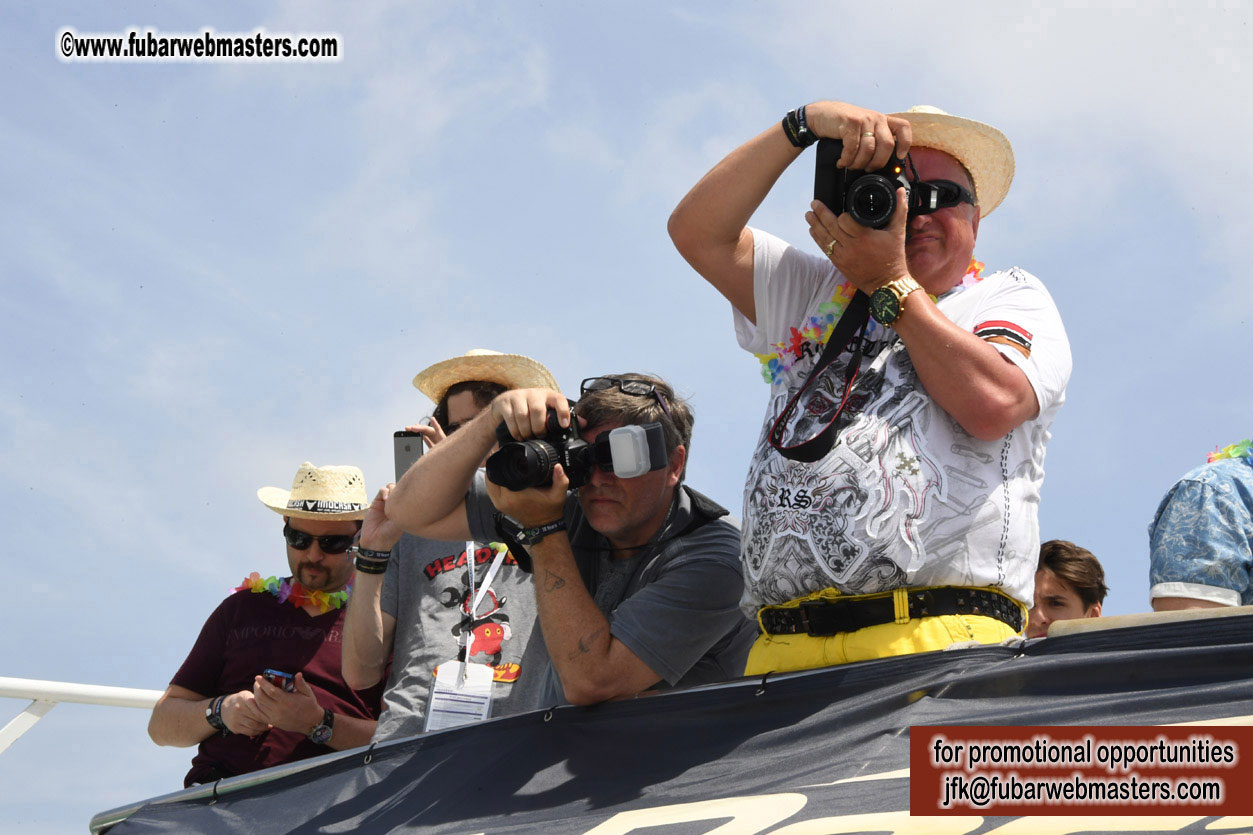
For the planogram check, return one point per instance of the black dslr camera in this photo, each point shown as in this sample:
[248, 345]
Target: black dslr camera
[518, 465]
[627, 452]
[869, 196]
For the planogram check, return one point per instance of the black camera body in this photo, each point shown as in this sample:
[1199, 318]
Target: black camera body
[868, 196]
[518, 465]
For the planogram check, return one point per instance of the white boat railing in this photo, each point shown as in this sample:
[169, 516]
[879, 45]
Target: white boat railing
[45, 695]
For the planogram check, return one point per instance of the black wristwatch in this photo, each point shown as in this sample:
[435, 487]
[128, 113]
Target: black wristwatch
[213, 715]
[886, 302]
[321, 733]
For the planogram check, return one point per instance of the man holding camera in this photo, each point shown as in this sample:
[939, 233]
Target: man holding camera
[637, 576]
[890, 506]
[423, 602]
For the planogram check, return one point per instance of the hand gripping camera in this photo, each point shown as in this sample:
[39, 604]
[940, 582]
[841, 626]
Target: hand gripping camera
[869, 196]
[627, 452]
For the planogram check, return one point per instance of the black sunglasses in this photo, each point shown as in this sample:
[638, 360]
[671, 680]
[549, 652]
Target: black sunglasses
[932, 195]
[638, 388]
[330, 544]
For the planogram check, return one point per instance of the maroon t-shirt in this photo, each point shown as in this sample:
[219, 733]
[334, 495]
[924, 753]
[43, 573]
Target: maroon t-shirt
[247, 634]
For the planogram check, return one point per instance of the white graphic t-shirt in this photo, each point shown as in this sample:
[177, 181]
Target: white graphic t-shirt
[906, 497]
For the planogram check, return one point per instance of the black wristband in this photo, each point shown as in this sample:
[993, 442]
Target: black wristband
[530, 536]
[797, 129]
[214, 716]
[369, 561]
[370, 566]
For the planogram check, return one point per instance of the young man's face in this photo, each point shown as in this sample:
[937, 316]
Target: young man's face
[314, 569]
[1055, 599]
[628, 511]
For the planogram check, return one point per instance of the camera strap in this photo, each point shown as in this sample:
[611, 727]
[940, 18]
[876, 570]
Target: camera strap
[849, 331]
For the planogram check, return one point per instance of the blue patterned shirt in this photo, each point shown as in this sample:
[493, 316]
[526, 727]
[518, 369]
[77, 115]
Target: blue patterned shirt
[1201, 539]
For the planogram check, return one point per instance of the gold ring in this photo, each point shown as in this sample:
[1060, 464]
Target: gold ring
[830, 246]
[868, 133]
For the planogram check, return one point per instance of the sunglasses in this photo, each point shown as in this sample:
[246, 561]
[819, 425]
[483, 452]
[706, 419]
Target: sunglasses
[330, 544]
[932, 195]
[637, 388]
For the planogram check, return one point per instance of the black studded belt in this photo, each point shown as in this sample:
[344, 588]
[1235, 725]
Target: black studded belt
[830, 617]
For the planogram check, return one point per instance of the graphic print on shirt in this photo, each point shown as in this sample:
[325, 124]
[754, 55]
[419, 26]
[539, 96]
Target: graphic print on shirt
[490, 627]
[857, 520]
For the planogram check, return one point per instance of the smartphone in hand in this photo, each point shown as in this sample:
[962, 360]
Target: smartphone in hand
[409, 447]
[280, 679]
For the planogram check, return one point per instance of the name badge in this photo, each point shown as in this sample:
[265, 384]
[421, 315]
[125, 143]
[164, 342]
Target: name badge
[461, 695]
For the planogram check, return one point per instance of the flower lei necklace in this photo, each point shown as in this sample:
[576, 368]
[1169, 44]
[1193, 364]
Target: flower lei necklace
[819, 327]
[289, 590]
[1243, 449]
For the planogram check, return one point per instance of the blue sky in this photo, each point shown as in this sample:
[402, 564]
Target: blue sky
[211, 272]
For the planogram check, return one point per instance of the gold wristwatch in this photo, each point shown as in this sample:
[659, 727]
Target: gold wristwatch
[886, 302]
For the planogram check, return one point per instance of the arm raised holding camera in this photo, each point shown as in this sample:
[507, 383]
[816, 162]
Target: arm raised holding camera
[709, 227]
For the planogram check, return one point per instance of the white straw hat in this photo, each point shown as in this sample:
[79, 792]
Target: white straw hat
[512, 371]
[983, 149]
[330, 493]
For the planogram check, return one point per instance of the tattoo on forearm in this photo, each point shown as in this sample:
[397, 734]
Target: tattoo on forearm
[585, 643]
[552, 581]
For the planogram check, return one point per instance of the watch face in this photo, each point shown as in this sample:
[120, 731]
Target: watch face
[321, 734]
[884, 306]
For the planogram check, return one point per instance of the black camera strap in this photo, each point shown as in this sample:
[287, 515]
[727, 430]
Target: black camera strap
[851, 328]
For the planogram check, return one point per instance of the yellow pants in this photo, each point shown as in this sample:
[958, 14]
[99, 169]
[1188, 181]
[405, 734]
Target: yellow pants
[783, 653]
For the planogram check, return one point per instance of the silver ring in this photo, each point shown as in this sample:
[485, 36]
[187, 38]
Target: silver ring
[830, 247]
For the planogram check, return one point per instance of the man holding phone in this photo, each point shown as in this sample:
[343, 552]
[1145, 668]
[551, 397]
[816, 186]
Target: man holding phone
[890, 506]
[263, 686]
[426, 602]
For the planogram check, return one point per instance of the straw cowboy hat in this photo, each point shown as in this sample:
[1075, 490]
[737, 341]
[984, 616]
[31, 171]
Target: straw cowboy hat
[332, 494]
[510, 370]
[983, 149]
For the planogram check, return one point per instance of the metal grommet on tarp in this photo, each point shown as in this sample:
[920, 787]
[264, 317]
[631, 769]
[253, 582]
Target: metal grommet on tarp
[548, 715]
[761, 688]
[369, 754]
[214, 799]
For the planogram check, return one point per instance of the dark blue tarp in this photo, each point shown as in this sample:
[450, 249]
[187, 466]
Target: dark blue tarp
[768, 757]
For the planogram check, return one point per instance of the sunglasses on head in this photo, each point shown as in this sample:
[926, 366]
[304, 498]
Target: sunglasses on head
[637, 388]
[330, 544]
[932, 195]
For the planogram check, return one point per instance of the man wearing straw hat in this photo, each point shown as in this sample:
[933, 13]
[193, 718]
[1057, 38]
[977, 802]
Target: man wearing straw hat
[890, 506]
[262, 685]
[414, 601]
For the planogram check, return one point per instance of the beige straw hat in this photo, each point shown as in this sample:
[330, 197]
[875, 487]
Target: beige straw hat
[983, 149]
[332, 494]
[510, 370]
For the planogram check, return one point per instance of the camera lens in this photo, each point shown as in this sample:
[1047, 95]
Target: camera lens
[872, 200]
[523, 464]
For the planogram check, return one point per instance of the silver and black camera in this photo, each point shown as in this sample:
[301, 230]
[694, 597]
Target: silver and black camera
[627, 452]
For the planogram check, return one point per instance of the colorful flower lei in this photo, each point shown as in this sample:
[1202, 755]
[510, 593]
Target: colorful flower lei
[289, 590]
[819, 327]
[1242, 449]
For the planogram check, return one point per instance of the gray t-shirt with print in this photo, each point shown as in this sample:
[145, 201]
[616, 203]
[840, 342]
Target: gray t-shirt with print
[425, 590]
